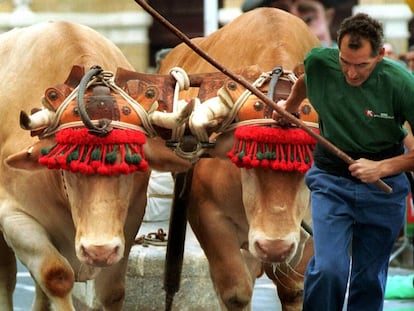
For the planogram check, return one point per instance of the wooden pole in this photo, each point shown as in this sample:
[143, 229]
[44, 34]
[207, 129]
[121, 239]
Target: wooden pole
[239, 79]
[176, 236]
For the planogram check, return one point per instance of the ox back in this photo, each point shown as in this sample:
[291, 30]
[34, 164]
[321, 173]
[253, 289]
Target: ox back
[244, 218]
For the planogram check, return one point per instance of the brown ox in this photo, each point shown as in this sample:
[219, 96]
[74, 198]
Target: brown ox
[63, 226]
[274, 202]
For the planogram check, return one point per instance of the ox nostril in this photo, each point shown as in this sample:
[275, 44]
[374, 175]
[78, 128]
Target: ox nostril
[100, 254]
[274, 250]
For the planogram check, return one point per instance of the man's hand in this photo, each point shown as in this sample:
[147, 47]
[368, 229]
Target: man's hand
[280, 119]
[367, 171]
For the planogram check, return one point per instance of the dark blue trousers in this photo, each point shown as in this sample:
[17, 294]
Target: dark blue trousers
[351, 219]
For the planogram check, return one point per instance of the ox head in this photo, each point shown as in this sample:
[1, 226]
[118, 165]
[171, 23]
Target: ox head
[100, 204]
[104, 176]
[272, 164]
[272, 160]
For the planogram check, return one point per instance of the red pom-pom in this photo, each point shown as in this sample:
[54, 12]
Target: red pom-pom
[103, 170]
[246, 160]
[143, 165]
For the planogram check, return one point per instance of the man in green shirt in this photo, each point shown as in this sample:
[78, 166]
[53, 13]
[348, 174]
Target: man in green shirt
[362, 100]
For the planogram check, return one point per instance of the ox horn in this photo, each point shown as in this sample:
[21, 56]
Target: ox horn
[41, 118]
[172, 120]
[210, 113]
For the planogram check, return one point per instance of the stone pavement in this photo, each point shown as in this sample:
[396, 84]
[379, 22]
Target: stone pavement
[145, 282]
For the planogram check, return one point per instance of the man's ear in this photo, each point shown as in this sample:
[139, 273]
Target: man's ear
[381, 53]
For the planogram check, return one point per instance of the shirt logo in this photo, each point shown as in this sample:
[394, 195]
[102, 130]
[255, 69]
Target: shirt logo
[382, 115]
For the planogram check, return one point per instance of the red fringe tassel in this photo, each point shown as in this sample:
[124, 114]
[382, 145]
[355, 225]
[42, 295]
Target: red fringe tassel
[120, 152]
[272, 148]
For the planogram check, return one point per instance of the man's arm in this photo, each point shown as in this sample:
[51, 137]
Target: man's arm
[370, 171]
[297, 95]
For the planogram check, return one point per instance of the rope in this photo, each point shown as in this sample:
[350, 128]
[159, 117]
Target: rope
[289, 269]
[182, 83]
[180, 75]
[241, 100]
[117, 124]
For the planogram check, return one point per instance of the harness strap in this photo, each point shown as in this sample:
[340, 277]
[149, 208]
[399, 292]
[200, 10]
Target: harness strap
[182, 83]
[276, 73]
[241, 100]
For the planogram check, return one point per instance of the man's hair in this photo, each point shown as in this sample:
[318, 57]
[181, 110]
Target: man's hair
[362, 26]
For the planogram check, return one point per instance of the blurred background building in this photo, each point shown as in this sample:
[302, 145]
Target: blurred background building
[122, 21]
[139, 37]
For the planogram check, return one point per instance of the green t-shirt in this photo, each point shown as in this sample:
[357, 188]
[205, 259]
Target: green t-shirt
[367, 118]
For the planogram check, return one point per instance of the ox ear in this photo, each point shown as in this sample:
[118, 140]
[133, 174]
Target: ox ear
[162, 158]
[299, 69]
[75, 76]
[28, 159]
